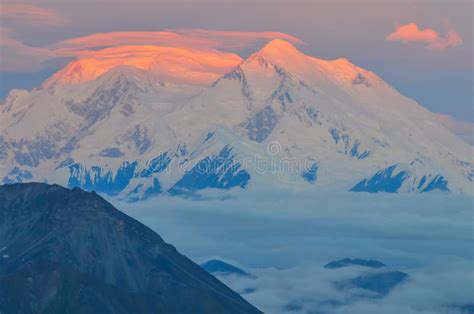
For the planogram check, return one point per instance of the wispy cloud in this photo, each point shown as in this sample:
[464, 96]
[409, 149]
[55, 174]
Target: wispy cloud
[16, 55]
[20, 57]
[411, 33]
[237, 40]
[464, 130]
[32, 14]
[194, 38]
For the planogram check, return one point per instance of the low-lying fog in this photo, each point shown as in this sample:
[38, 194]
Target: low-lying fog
[284, 240]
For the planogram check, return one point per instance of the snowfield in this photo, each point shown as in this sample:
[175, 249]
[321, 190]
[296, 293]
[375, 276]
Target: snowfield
[126, 122]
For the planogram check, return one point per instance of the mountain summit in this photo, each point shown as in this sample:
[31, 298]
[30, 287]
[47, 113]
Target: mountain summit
[279, 47]
[182, 65]
[285, 56]
[70, 251]
[151, 123]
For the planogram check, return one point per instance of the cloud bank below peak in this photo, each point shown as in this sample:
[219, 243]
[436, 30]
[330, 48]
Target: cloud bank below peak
[286, 241]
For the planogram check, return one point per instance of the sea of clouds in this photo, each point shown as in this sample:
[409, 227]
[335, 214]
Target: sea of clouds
[284, 240]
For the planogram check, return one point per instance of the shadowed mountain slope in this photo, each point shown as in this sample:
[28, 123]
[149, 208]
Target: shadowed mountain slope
[70, 251]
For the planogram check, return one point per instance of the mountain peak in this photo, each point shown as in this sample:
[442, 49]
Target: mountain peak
[278, 51]
[279, 46]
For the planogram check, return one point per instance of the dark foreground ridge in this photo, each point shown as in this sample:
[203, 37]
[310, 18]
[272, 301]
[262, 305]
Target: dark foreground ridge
[70, 251]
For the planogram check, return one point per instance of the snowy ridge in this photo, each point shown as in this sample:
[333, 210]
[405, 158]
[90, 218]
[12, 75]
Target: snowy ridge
[137, 130]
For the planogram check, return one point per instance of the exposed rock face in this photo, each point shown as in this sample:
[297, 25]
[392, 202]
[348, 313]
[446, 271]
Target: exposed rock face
[70, 251]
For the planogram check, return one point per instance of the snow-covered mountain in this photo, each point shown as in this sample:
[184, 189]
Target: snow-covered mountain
[167, 120]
